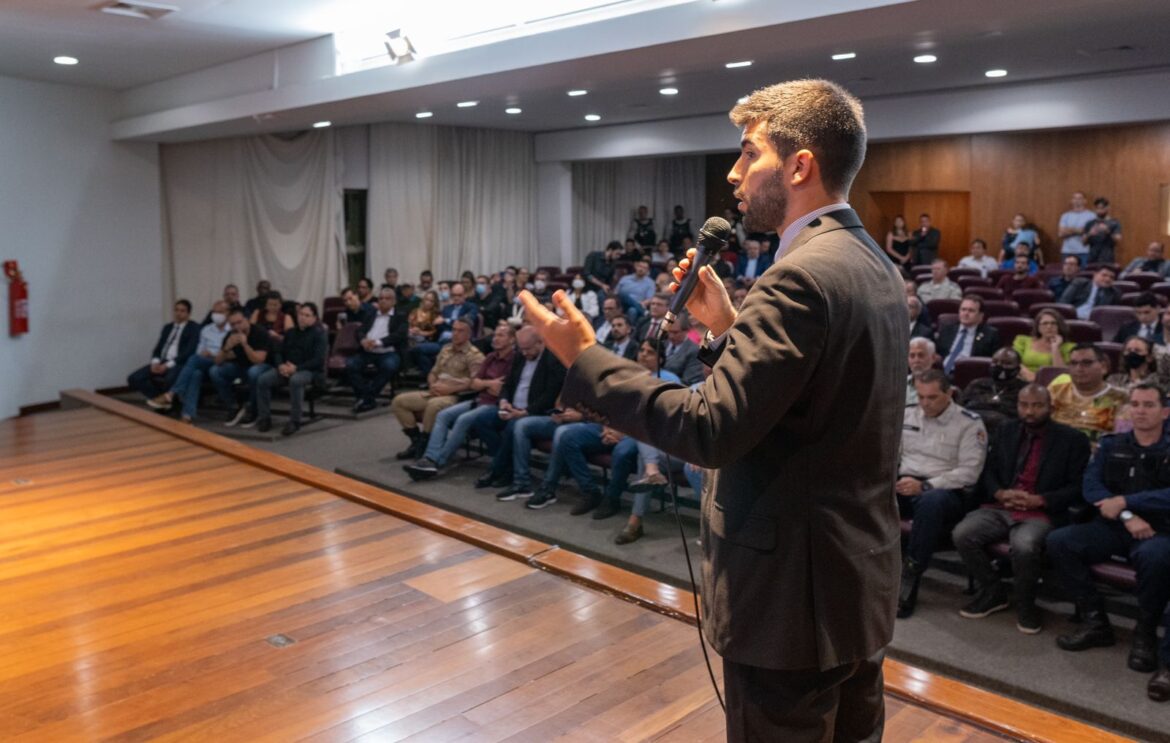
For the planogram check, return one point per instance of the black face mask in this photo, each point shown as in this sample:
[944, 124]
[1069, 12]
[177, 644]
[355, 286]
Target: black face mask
[1003, 373]
[1134, 360]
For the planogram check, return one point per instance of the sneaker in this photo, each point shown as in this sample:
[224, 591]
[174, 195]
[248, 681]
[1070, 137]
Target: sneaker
[606, 509]
[542, 498]
[362, 406]
[647, 482]
[989, 600]
[162, 402]
[423, 469]
[250, 420]
[264, 425]
[1029, 620]
[513, 492]
[290, 428]
[240, 415]
[629, 534]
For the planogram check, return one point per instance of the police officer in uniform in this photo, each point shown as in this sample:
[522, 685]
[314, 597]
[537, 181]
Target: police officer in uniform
[1128, 481]
[943, 448]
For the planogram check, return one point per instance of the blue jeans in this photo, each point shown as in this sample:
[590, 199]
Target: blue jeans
[452, 426]
[189, 385]
[623, 465]
[150, 385]
[572, 444]
[516, 446]
[633, 307]
[223, 375]
[386, 365]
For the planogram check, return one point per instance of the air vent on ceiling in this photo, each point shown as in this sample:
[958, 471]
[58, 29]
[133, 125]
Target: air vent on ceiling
[138, 9]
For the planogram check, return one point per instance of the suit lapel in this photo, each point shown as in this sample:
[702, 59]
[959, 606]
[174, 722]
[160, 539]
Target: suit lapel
[842, 219]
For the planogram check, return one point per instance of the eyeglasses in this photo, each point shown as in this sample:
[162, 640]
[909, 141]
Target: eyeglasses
[1083, 363]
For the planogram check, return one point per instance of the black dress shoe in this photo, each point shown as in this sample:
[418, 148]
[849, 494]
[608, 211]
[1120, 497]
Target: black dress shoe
[989, 600]
[606, 509]
[264, 425]
[1094, 632]
[290, 428]
[1159, 687]
[908, 591]
[489, 480]
[1143, 653]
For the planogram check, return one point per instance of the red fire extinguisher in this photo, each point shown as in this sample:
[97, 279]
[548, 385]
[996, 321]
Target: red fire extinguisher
[17, 300]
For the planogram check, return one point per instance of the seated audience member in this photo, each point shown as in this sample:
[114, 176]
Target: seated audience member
[969, 337]
[1019, 237]
[1138, 364]
[1046, 346]
[1148, 324]
[661, 256]
[635, 290]
[243, 355]
[526, 402]
[1102, 234]
[922, 357]
[355, 310]
[390, 279]
[490, 301]
[1019, 278]
[457, 309]
[978, 259]
[407, 299]
[457, 364]
[599, 267]
[919, 328]
[272, 318]
[540, 287]
[1085, 294]
[382, 337]
[1128, 481]
[582, 298]
[299, 363]
[602, 325]
[682, 353]
[924, 242]
[523, 278]
[176, 343]
[943, 448]
[422, 322]
[1154, 261]
[939, 286]
[994, 397]
[231, 298]
[263, 289]
[426, 281]
[620, 339]
[752, 263]
[1070, 266]
[912, 291]
[365, 291]
[738, 296]
[633, 252]
[1082, 398]
[481, 413]
[1032, 475]
[650, 326]
[188, 385]
[662, 283]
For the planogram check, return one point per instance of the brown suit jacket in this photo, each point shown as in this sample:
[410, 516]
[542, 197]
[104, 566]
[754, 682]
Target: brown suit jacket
[802, 419]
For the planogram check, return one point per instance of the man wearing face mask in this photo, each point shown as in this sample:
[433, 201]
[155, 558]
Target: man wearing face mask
[540, 286]
[190, 380]
[994, 398]
[584, 300]
[490, 300]
[1032, 475]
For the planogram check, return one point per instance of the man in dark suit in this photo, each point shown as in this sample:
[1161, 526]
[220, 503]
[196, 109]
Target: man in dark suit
[969, 337]
[919, 320]
[752, 263]
[621, 340]
[176, 343]
[682, 353]
[801, 554]
[610, 308]
[382, 338]
[1147, 325]
[1032, 475]
[924, 242]
[650, 323]
[458, 309]
[1085, 294]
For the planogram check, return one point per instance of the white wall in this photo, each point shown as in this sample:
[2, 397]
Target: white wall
[81, 213]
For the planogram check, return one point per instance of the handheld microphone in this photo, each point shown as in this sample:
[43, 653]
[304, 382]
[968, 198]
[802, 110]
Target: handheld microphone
[713, 239]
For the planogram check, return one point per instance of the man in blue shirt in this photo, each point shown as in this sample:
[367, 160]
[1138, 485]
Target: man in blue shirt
[634, 290]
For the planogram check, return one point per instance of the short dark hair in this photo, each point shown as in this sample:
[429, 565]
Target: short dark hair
[971, 297]
[185, 303]
[426, 272]
[1153, 386]
[654, 342]
[980, 241]
[274, 295]
[231, 286]
[815, 114]
[367, 280]
[1146, 299]
[933, 376]
[1110, 269]
[1101, 356]
[238, 311]
[1076, 258]
[1100, 201]
[347, 290]
[311, 307]
[924, 214]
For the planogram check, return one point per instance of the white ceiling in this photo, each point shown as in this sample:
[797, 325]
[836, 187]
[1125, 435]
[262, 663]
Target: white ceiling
[1032, 39]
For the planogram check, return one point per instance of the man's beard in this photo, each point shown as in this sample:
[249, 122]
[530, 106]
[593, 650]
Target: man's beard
[768, 210]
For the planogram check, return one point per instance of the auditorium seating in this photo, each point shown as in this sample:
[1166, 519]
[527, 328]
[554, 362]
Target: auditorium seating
[970, 369]
[987, 292]
[1028, 297]
[1110, 318]
[1067, 311]
[1009, 327]
[1084, 331]
[968, 282]
[1000, 308]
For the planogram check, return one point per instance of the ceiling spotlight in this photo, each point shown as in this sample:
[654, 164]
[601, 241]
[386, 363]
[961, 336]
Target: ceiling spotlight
[513, 110]
[467, 104]
[668, 91]
[65, 60]
[925, 58]
[733, 65]
[322, 124]
[399, 47]
[843, 56]
[424, 115]
[575, 93]
[996, 73]
[592, 117]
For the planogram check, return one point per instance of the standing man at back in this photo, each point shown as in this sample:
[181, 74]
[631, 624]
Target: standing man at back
[801, 555]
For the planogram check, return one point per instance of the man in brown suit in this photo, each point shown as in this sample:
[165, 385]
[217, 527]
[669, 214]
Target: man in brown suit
[801, 421]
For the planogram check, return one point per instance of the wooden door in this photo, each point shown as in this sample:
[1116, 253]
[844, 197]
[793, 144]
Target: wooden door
[950, 212]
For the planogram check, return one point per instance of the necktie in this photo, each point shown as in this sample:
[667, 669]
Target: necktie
[953, 356]
[170, 342]
[653, 332]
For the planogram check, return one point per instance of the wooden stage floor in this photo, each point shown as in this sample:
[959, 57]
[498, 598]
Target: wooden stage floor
[155, 586]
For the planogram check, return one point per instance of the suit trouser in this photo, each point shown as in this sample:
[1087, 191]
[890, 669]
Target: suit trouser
[840, 704]
[986, 526]
[935, 513]
[152, 385]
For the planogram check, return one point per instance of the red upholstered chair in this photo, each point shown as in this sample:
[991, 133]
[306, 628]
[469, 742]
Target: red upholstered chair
[1084, 331]
[1067, 311]
[1045, 374]
[987, 292]
[552, 270]
[999, 273]
[942, 306]
[968, 370]
[1000, 308]
[1028, 297]
[1162, 289]
[957, 273]
[1125, 287]
[575, 269]
[946, 318]
[1010, 327]
[1130, 299]
[917, 271]
[1111, 318]
[344, 345]
[1113, 351]
[966, 282]
[1145, 280]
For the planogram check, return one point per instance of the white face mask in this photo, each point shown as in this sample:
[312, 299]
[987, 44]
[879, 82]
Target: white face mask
[539, 285]
[578, 284]
[218, 318]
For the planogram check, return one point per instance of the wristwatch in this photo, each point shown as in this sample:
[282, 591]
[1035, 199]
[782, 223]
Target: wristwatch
[926, 486]
[1126, 515]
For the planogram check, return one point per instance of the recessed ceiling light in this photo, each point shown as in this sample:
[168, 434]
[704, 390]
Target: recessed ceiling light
[424, 115]
[65, 60]
[467, 104]
[668, 91]
[925, 58]
[575, 93]
[513, 110]
[592, 117]
[996, 73]
[322, 124]
[844, 55]
[733, 65]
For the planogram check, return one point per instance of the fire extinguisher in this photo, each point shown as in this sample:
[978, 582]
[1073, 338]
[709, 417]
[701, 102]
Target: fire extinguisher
[17, 300]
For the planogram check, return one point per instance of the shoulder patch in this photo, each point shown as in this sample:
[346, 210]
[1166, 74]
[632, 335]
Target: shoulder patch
[969, 414]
